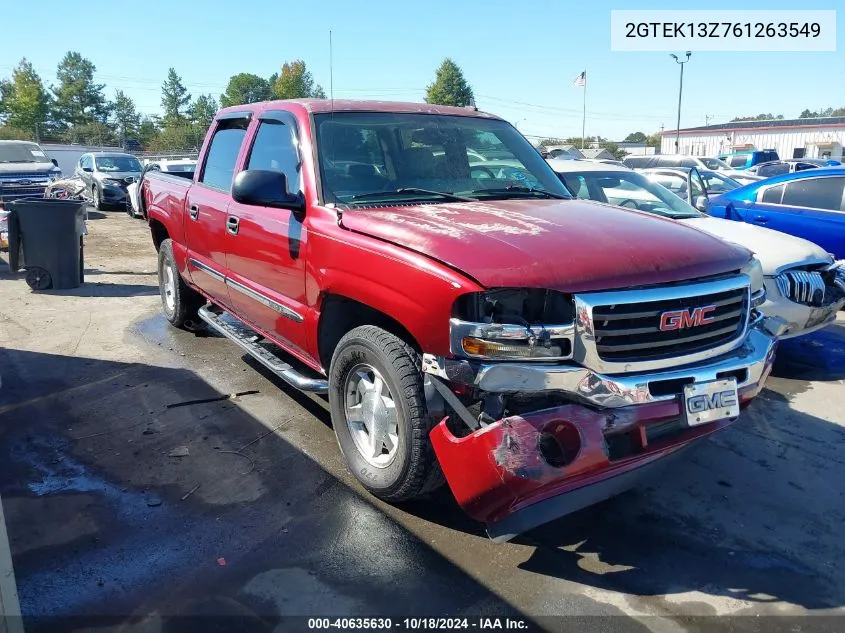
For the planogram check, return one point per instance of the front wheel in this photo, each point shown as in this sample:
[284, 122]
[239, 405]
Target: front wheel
[379, 414]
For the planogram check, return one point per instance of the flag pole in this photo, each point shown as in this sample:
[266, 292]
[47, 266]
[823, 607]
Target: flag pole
[584, 116]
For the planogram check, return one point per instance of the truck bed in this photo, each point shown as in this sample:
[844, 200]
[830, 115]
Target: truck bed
[165, 191]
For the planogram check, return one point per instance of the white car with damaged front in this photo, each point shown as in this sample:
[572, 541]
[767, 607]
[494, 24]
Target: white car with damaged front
[805, 287]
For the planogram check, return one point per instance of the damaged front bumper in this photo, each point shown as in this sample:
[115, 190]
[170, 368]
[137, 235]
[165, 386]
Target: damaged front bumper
[526, 469]
[799, 302]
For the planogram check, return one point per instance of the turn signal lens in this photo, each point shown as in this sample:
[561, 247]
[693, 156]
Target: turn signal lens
[494, 349]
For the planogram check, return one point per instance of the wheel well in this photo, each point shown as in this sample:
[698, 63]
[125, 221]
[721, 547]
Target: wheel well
[340, 314]
[158, 232]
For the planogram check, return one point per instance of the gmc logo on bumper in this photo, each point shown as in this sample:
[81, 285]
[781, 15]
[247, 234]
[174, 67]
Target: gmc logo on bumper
[719, 400]
[682, 319]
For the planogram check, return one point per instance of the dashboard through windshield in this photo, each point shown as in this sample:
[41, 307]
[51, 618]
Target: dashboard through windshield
[369, 158]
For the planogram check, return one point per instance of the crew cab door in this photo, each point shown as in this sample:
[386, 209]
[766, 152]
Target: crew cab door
[265, 246]
[207, 204]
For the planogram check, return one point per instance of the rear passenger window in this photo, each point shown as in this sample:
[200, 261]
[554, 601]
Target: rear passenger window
[274, 150]
[222, 154]
[815, 193]
[772, 195]
[738, 161]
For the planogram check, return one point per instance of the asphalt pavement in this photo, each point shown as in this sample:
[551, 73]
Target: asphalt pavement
[151, 474]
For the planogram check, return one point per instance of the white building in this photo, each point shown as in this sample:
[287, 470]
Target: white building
[636, 149]
[822, 137]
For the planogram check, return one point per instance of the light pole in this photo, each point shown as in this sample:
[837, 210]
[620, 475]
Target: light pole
[680, 94]
[516, 125]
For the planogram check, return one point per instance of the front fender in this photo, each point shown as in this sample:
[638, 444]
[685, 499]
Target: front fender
[410, 288]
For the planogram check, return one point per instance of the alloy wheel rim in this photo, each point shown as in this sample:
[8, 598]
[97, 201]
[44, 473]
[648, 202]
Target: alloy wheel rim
[169, 289]
[371, 415]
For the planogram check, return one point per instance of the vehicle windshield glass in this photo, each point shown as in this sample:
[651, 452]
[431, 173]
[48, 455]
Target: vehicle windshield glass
[717, 183]
[715, 163]
[22, 153]
[628, 189]
[366, 158]
[117, 163]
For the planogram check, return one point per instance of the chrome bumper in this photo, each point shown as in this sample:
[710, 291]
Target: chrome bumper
[749, 361]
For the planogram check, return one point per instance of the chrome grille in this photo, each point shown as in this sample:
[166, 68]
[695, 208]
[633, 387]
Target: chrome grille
[802, 286]
[628, 330]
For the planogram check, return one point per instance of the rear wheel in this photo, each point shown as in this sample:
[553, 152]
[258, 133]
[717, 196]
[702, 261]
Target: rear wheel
[179, 302]
[379, 414]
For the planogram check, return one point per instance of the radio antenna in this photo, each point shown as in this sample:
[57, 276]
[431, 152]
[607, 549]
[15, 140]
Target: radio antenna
[331, 72]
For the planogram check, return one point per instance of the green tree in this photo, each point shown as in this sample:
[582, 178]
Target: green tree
[78, 99]
[760, 117]
[177, 137]
[614, 149]
[810, 114]
[148, 131]
[654, 140]
[126, 118]
[94, 133]
[295, 81]
[24, 102]
[174, 100]
[203, 111]
[245, 88]
[449, 87]
[635, 137]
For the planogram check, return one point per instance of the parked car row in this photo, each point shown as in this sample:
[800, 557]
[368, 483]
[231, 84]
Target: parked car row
[805, 285]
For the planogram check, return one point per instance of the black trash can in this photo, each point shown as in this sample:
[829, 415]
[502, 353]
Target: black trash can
[45, 239]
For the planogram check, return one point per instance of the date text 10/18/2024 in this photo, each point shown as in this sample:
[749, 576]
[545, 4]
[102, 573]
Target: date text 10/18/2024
[415, 624]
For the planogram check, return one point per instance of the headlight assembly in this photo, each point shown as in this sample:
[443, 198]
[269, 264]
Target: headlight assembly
[513, 324]
[754, 270]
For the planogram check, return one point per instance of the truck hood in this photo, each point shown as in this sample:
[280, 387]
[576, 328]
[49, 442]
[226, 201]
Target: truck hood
[775, 250]
[28, 168]
[567, 245]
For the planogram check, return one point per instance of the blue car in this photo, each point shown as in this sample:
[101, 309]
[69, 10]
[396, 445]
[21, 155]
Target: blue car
[806, 204]
[749, 158]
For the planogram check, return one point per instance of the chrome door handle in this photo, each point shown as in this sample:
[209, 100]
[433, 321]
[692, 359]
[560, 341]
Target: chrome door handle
[194, 211]
[232, 223]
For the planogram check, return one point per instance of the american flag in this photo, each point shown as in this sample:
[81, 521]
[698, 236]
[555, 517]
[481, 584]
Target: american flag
[581, 80]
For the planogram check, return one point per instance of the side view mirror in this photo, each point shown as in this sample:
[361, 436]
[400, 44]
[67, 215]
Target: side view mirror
[55, 162]
[702, 203]
[264, 188]
[88, 169]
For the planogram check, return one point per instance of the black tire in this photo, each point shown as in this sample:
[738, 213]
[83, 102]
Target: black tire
[97, 198]
[186, 300]
[414, 470]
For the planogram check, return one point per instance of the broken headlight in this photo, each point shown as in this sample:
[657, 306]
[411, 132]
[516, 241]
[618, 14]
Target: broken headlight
[754, 270]
[513, 324]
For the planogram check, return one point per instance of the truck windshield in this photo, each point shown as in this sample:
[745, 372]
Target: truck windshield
[22, 153]
[117, 163]
[369, 158]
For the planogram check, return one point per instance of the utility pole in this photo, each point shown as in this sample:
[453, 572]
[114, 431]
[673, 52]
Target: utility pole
[707, 118]
[680, 95]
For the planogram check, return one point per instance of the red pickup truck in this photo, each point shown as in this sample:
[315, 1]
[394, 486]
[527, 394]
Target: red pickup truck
[469, 320]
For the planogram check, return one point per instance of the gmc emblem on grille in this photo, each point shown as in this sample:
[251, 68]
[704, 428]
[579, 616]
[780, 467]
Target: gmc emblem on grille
[682, 319]
[719, 400]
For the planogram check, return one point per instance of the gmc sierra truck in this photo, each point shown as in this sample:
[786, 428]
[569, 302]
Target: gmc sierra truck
[469, 320]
